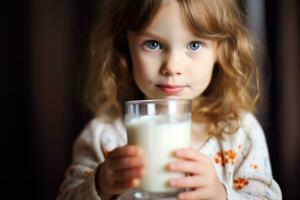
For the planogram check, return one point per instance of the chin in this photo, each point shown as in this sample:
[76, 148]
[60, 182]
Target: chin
[173, 97]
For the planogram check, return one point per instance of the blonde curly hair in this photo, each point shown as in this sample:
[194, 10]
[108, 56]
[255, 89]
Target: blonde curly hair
[235, 83]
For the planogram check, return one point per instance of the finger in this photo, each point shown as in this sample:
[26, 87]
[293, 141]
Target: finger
[128, 150]
[126, 163]
[129, 173]
[192, 167]
[190, 154]
[194, 195]
[187, 182]
[127, 184]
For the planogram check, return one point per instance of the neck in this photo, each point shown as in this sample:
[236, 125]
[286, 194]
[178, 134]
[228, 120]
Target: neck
[199, 135]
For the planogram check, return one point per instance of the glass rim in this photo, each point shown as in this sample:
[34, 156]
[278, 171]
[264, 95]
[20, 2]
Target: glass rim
[157, 101]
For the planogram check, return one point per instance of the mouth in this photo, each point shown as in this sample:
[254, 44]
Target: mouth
[170, 89]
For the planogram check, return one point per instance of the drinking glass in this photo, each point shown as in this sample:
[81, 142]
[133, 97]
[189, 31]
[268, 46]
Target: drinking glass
[159, 127]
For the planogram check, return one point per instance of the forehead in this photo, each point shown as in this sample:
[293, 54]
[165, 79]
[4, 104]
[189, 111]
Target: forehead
[193, 15]
[206, 19]
[169, 15]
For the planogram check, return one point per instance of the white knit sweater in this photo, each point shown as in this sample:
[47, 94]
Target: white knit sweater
[241, 161]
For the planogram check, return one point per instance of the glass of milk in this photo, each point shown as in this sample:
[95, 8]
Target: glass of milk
[159, 127]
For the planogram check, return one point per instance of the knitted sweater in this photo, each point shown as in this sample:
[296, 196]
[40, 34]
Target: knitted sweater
[241, 161]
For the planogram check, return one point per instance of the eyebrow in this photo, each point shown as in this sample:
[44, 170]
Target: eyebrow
[150, 34]
[155, 35]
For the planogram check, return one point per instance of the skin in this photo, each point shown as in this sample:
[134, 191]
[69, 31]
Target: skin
[169, 61]
[167, 54]
[121, 171]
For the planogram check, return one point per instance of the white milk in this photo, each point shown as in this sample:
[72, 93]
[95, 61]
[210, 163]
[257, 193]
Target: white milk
[158, 138]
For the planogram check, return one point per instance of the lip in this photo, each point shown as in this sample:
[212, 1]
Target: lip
[170, 89]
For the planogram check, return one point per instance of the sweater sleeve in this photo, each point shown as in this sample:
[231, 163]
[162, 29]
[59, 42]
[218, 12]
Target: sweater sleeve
[89, 151]
[252, 176]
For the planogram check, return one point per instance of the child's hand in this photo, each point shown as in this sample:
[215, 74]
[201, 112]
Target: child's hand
[121, 171]
[203, 180]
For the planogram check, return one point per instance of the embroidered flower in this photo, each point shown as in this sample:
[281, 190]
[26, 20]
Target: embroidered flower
[88, 172]
[70, 170]
[229, 156]
[254, 166]
[239, 183]
[226, 157]
[106, 154]
[219, 158]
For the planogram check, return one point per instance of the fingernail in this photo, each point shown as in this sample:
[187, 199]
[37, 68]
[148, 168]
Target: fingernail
[171, 167]
[178, 153]
[172, 183]
[136, 182]
[140, 152]
[181, 196]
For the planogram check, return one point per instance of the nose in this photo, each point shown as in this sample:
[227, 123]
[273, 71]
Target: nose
[172, 65]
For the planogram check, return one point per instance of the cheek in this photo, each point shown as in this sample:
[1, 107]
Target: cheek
[209, 77]
[201, 76]
[139, 71]
[208, 73]
[144, 68]
[140, 74]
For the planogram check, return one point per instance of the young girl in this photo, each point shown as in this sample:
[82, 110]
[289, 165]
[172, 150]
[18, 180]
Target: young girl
[161, 49]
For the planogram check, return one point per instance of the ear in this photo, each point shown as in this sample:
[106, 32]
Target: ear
[125, 58]
[123, 62]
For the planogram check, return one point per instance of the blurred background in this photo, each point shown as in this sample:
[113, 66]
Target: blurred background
[43, 53]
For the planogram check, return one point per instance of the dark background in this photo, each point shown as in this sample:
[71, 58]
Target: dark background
[43, 47]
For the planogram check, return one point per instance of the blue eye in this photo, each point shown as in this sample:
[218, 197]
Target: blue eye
[152, 45]
[195, 45]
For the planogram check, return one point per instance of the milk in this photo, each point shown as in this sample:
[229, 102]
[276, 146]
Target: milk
[158, 137]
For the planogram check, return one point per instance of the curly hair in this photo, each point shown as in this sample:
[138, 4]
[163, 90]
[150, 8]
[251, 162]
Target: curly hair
[235, 83]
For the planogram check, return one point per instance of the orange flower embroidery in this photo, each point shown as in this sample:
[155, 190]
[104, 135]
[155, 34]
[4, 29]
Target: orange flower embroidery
[106, 154]
[219, 158]
[253, 166]
[70, 170]
[228, 157]
[239, 183]
[88, 173]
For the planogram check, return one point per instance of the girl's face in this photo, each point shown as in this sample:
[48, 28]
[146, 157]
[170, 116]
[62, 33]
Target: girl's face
[169, 61]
